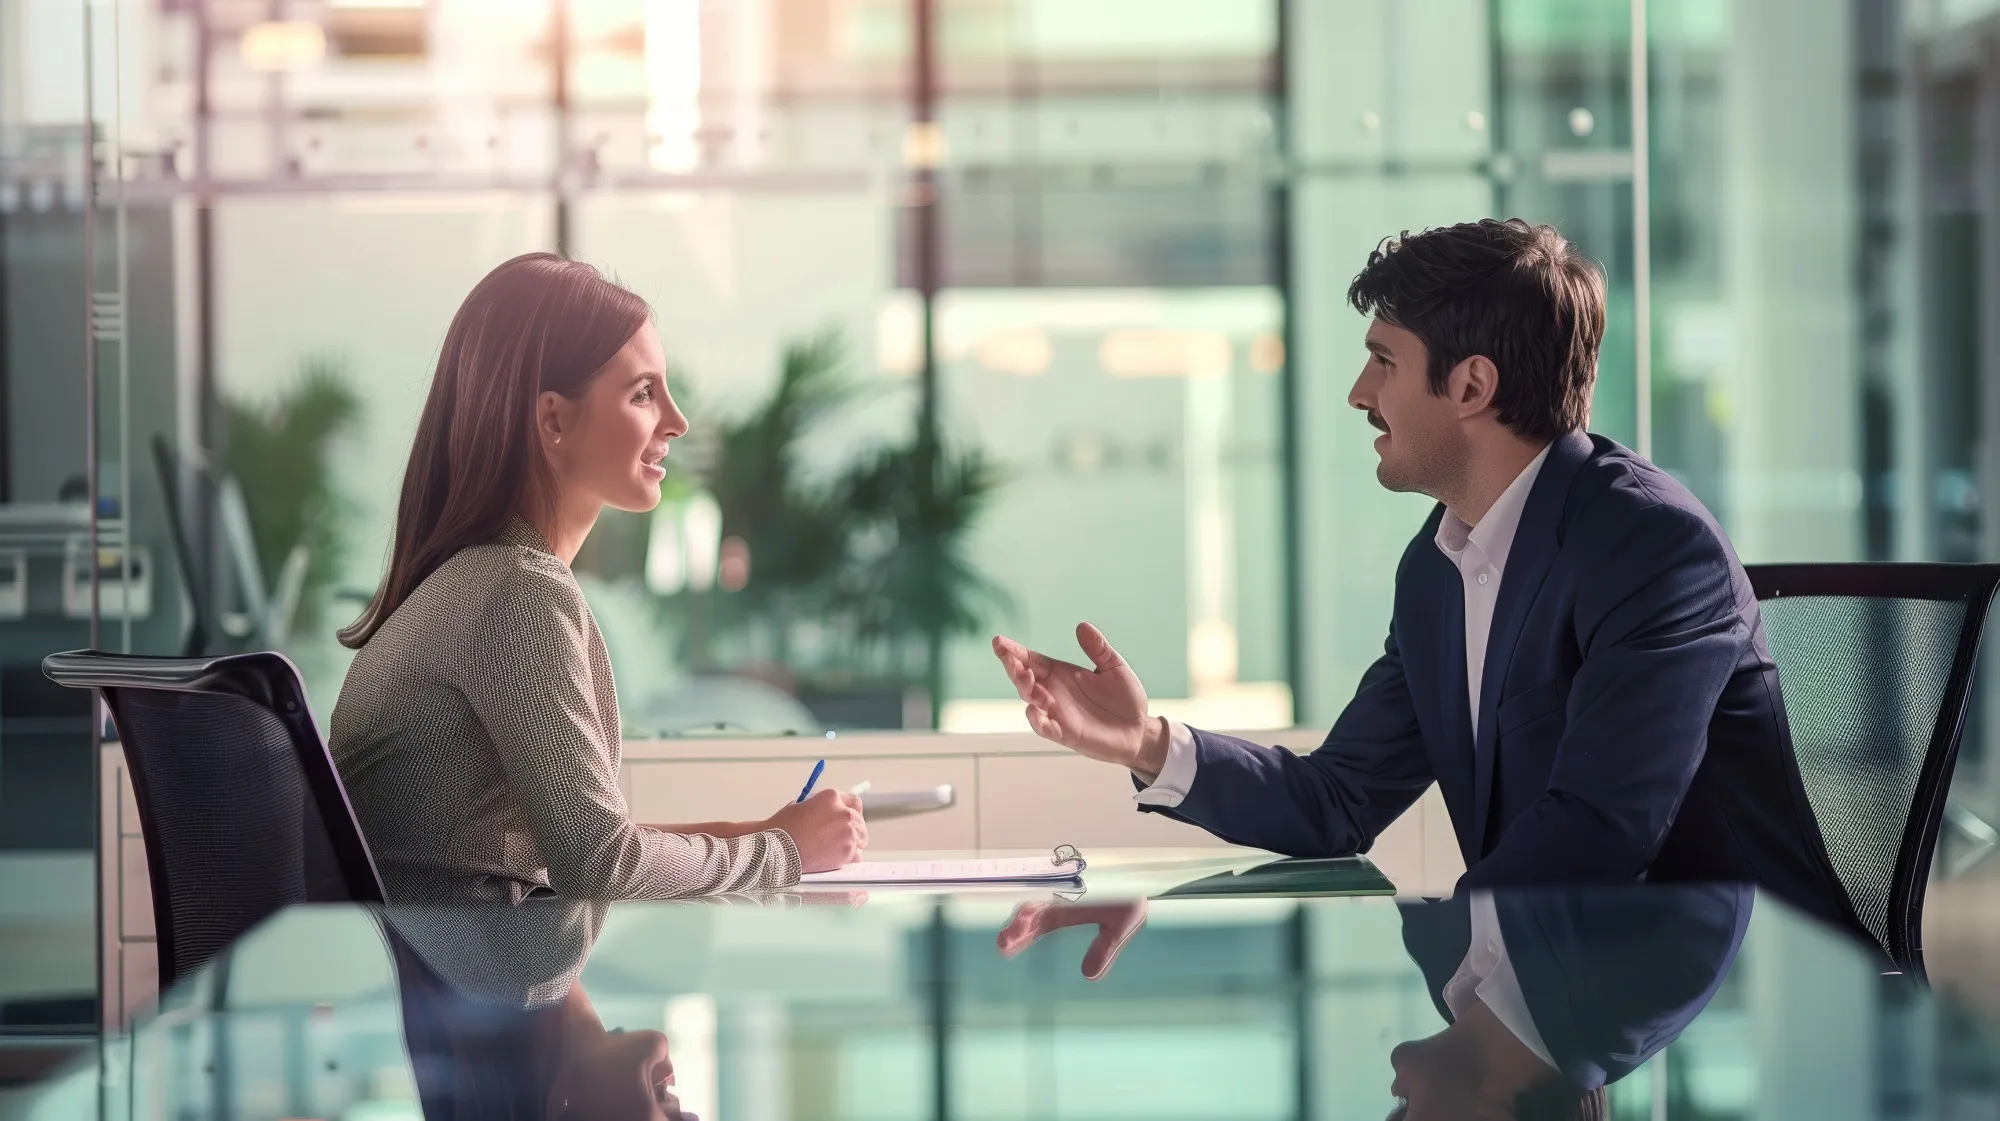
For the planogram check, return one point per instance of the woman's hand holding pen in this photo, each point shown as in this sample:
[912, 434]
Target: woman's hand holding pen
[827, 828]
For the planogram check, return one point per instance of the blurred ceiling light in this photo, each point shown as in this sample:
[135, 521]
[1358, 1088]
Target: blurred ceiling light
[1157, 353]
[1023, 350]
[401, 5]
[899, 340]
[278, 46]
[594, 20]
[673, 82]
[732, 570]
[1212, 655]
[923, 145]
[1267, 352]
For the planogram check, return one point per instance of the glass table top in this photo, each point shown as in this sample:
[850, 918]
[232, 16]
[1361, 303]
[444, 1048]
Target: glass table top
[1128, 1000]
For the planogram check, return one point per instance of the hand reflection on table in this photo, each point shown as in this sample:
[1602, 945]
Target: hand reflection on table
[1116, 923]
[1595, 982]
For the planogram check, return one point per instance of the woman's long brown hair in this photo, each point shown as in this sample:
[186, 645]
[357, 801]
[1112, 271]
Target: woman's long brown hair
[536, 323]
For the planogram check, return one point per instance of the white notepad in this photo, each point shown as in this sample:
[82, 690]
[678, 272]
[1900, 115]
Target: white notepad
[1065, 865]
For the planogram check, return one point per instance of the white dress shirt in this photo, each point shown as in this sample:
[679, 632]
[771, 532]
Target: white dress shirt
[1480, 552]
[1487, 976]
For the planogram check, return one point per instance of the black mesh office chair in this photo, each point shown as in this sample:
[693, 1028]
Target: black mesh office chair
[1876, 663]
[241, 808]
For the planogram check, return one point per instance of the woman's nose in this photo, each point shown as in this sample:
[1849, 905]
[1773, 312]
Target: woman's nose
[674, 424]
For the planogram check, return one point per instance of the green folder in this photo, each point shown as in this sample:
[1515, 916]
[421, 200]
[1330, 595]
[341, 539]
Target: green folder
[1290, 878]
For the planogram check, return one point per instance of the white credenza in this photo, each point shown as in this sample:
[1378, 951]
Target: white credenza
[1012, 792]
[131, 963]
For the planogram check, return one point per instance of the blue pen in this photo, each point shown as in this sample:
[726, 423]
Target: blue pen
[811, 780]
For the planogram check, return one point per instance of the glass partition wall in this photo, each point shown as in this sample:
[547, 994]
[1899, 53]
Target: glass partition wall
[76, 566]
[1067, 278]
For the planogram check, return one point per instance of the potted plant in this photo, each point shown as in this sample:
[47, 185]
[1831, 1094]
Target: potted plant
[872, 556]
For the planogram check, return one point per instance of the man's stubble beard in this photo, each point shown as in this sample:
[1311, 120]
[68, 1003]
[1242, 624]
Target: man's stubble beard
[1434, 468]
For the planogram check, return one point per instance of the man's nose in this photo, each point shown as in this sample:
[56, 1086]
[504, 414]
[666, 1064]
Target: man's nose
[1361, 395]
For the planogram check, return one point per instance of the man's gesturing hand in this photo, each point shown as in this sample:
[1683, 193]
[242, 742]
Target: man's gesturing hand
[1098, 712]
[1116, 923]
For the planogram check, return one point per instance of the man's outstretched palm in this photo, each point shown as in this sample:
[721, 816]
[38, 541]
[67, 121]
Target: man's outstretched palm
[1099, 712]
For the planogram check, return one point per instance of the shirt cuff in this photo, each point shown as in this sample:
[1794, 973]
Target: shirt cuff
[1501, 990]
[785, 865]
[1176, 776]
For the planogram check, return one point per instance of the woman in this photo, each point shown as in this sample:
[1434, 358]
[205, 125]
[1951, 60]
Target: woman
[499, 1029]
[478, 730]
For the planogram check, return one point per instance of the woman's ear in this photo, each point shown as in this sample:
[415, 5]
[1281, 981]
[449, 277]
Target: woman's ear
[554, 417]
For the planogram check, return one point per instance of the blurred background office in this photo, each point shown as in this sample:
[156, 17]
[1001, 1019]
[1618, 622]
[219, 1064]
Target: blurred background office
[988, 314]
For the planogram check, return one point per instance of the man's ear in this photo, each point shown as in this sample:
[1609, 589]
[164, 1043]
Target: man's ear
[1473, 386]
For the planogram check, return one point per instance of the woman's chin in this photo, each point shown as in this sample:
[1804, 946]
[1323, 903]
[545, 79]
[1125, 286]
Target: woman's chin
[644, 497]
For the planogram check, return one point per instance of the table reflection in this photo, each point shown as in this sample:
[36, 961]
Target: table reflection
[1549, 996]
[1131, 1002]
[497, 1026]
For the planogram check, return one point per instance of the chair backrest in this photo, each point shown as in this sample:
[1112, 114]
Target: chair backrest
[242, 810]
[267, 610]
[1875, 662]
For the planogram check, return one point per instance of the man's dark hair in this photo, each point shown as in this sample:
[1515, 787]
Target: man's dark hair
[1521, 295]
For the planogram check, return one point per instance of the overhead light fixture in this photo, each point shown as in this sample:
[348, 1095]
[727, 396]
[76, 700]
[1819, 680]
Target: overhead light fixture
[1164, 352]
[1267, 352]
[673, 83]
[923, 146]
[1019, 350]
[279, 46]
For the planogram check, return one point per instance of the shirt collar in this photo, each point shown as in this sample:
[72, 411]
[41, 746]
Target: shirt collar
[1494, 535]
[517, 531]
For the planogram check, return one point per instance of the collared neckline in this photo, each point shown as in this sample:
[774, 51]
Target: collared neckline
[1494, 535]
[517, 531]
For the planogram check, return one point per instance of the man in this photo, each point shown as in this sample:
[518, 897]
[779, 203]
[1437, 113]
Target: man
[1549, 995]
[1575, 655]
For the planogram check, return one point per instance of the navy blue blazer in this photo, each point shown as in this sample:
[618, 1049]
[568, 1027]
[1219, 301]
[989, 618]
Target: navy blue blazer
[1630, 723]
[1610, 975]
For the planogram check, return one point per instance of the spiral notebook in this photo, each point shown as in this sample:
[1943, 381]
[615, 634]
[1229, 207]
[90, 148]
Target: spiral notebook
[1063, 866]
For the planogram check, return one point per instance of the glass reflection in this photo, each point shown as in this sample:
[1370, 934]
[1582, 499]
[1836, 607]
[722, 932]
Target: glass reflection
[1549, 996]
[497, 1025]
[497, 1022]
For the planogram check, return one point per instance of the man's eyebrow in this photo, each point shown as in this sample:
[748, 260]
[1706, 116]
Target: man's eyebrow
[1377, 348]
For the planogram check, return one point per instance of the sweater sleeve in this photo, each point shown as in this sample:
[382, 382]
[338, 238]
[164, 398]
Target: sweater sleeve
[527, 681]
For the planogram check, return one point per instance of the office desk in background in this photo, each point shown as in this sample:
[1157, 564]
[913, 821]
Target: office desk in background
[1014, 792]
